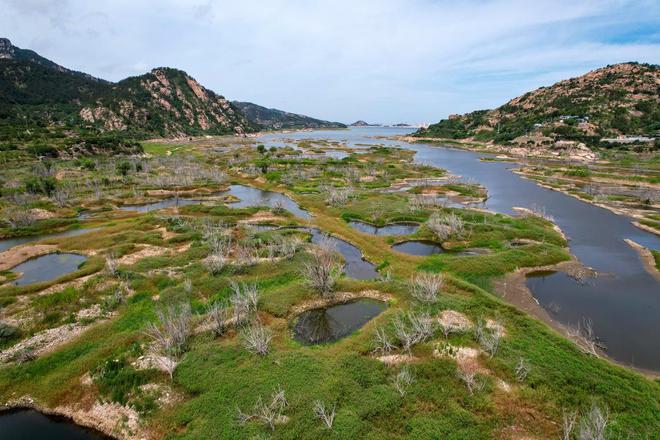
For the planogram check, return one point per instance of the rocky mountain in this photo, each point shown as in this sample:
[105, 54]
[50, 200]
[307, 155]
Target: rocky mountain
[621, 100]
[274, 119]
[37, 96]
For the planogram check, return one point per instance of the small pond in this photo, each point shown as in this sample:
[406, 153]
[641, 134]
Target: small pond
[330, 324]
[46, 268]
[11, 242]
[247, 195]
[355, 265]
[28, 424]
[389, 229]
[250, 196]
[419, 248]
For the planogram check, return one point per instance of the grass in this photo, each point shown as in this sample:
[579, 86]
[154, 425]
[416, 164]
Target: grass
[218, 375]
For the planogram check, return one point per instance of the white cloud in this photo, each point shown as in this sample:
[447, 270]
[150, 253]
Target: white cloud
[385, 60]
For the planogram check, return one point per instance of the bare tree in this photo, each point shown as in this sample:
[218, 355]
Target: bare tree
[522, 370]
[18, 217]
[488, 339]
[426, 287]
[444, 226]
[219, 315]
[593, 425]
[165, 363]
[256, 338]
[585, 337]
[381, 342]
[266, 413]
[411, 329]
[325, 412]
[244, 301]
[403, 380]
[467, 373]
[170, 336]
[322, 272]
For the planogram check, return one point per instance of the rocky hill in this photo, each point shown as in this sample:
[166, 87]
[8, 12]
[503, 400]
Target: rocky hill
[620, 100]
[39, 98]
[274, 119]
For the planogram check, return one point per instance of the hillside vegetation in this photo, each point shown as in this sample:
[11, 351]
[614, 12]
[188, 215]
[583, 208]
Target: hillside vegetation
[616, 100]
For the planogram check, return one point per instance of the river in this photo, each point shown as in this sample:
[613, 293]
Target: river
[623, 302]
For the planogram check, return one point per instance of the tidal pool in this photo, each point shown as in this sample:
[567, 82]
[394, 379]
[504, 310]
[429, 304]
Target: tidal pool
[399, 228]
[28, 424]
[46, 268]
[332, 323]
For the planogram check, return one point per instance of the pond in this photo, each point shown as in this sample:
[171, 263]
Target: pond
[46, 268]
[394, 229]
[11, 242]
[623, 306]
[355, 265]
[28, 424]
[420, 248]
[332, 323]
[248, 196]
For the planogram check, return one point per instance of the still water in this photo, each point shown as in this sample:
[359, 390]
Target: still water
[624, 304]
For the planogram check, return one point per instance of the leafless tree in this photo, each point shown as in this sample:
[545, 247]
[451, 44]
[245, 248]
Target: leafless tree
[522, 370]
[325, 412]
[468, 374]
[61, 195]
[445, 226]
[322, 272]
[488, 339]
[593, 425]
[165, 363]
[219, 315]
[585, 337]
[381, 342]
[18, 217]
[337, 196]
[256, 338]
[403, 380]
[426, 287]
[266, 413]
[244, 301]
[412, 328]
[170, 335]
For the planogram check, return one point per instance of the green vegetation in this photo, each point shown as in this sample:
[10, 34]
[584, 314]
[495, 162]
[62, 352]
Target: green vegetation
[615, 100]
[219, 289]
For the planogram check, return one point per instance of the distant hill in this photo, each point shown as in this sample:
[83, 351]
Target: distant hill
[362, 123]
[39, 98]
[617, 100]
[274, 119]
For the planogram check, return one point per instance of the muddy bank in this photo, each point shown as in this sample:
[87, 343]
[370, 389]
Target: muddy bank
[647, 258]
[18, 255]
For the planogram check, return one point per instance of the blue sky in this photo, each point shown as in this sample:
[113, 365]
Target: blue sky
[377, 60]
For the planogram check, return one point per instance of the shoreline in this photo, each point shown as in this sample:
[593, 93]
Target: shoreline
[513, 289]
[469, 146]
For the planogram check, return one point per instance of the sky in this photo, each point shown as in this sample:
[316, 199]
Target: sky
[385, 61]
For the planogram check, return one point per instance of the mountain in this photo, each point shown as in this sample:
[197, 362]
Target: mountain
[274, 119]
[41, 99]
[613, 101]
[362, 123]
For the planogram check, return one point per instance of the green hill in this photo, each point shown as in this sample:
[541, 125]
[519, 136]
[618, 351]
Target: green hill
[617, 100]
